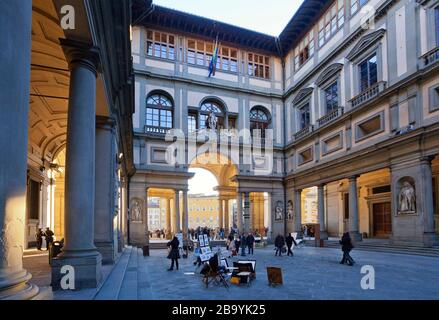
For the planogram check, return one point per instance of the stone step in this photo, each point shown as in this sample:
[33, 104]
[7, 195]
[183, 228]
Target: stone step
[111, 287]
[129, 287]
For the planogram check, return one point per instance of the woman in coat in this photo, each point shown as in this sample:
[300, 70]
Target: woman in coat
[279, 243]
[346, 247]
[174, 253]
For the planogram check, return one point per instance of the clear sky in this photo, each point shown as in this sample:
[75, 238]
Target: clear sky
[264, 16]
[203, 182]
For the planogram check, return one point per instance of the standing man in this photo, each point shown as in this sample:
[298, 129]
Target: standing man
[49, 237]
[243, 244]
[279, 243]
[39, 237]
[250, 243]
[289, 240]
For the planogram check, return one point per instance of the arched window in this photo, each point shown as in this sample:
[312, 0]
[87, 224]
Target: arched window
[259, 120]
[206, 108]
[158, 113]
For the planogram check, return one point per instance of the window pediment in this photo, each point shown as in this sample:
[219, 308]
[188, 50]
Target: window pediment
[328, 73]
[303, 93]
[365, 42]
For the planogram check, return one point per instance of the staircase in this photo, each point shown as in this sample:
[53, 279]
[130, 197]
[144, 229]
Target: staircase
[378, 245]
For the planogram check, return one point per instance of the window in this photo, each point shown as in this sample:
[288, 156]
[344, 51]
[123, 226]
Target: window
[331, 97]
[304, 50]
[304, 116]
[160, 45]
[34, 199]
[259, 121]
[192, 122]
[357, 4]
[305, 156]
[159, 112]
[331, 22]
[201, 52]
[258, 66]
[206, 109]
[370, 127]
[368, 72]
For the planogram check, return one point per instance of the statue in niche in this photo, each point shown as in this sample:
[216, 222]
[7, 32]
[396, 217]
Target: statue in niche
[278, 211]
[407, 198]
[136, 211]
[211, 121]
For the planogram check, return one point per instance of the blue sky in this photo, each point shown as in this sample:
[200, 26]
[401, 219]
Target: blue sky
[264, 16]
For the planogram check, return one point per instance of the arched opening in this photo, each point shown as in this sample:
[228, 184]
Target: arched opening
[260, 120]
[206, 109]
[159, 113]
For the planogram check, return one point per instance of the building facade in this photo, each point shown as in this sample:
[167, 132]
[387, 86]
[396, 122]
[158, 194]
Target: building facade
[349, 93]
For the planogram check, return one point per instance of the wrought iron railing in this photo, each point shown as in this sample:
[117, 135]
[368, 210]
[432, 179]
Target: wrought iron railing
[334, 114]
[368, 94]
[430, 57]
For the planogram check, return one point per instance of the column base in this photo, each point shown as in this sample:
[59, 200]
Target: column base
[16, 287]
[356, 236]
[87, 267]
[431, 239]
[106, 249]
[323, 235]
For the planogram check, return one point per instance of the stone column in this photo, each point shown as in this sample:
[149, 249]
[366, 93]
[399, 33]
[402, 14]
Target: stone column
[298, 211]
[177, 227]
[353, 209]
[168, 218]
[146, 230]
[247, 221]
[15, 50]
[321, 211]
[185, 219]
[239, 211]
[104, 189]
[426, 204]
[226, 216]
[221, 213]
[79, 250]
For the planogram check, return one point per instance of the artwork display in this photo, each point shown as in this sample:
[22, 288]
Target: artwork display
[279, 211]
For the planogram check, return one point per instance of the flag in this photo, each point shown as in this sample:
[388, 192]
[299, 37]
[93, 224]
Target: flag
[212, 65]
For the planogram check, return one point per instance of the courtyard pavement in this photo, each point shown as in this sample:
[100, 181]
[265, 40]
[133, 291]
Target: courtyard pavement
[313, 273]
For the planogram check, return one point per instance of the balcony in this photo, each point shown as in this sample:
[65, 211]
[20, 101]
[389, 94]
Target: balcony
[156, 130]
[303, 132]
[368, 94]
[337, 113]
[430, 57]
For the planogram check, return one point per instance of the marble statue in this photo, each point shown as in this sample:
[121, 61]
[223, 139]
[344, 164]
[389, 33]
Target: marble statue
[212, 120]
[407, 198]
[136, 214]
[278, 211]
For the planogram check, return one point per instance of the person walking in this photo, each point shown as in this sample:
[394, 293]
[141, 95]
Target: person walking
[346, 247]
[279, 243]
[49, 237]
[243, 244]
[250, 243]
[289, 240]
[39, 237]
[174, 253]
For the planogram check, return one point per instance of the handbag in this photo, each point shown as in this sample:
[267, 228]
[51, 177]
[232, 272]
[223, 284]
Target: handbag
[284, 249]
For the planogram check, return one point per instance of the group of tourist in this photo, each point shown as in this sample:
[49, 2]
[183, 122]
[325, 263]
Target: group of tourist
[48, 235]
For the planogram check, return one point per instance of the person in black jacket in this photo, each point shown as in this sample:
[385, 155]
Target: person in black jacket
[289, 240]
[243, 244]
[346, 247]
[250, 243]
[279, 243]
[174, 253]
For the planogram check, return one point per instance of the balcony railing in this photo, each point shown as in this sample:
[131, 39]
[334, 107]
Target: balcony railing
[430, 57]
[368, 94]
[303, 132]
[156, 130]
[330, 116]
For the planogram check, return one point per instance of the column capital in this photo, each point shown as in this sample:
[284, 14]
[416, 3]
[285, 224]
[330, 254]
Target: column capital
[298, 190]
[81, 53]
[427, 159]
[321, 185]
[353, 177]
[106, 123]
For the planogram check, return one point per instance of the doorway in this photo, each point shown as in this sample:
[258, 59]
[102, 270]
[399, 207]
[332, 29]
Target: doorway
[382, 219]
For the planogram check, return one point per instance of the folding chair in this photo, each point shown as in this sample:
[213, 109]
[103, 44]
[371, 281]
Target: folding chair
[213, 274]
